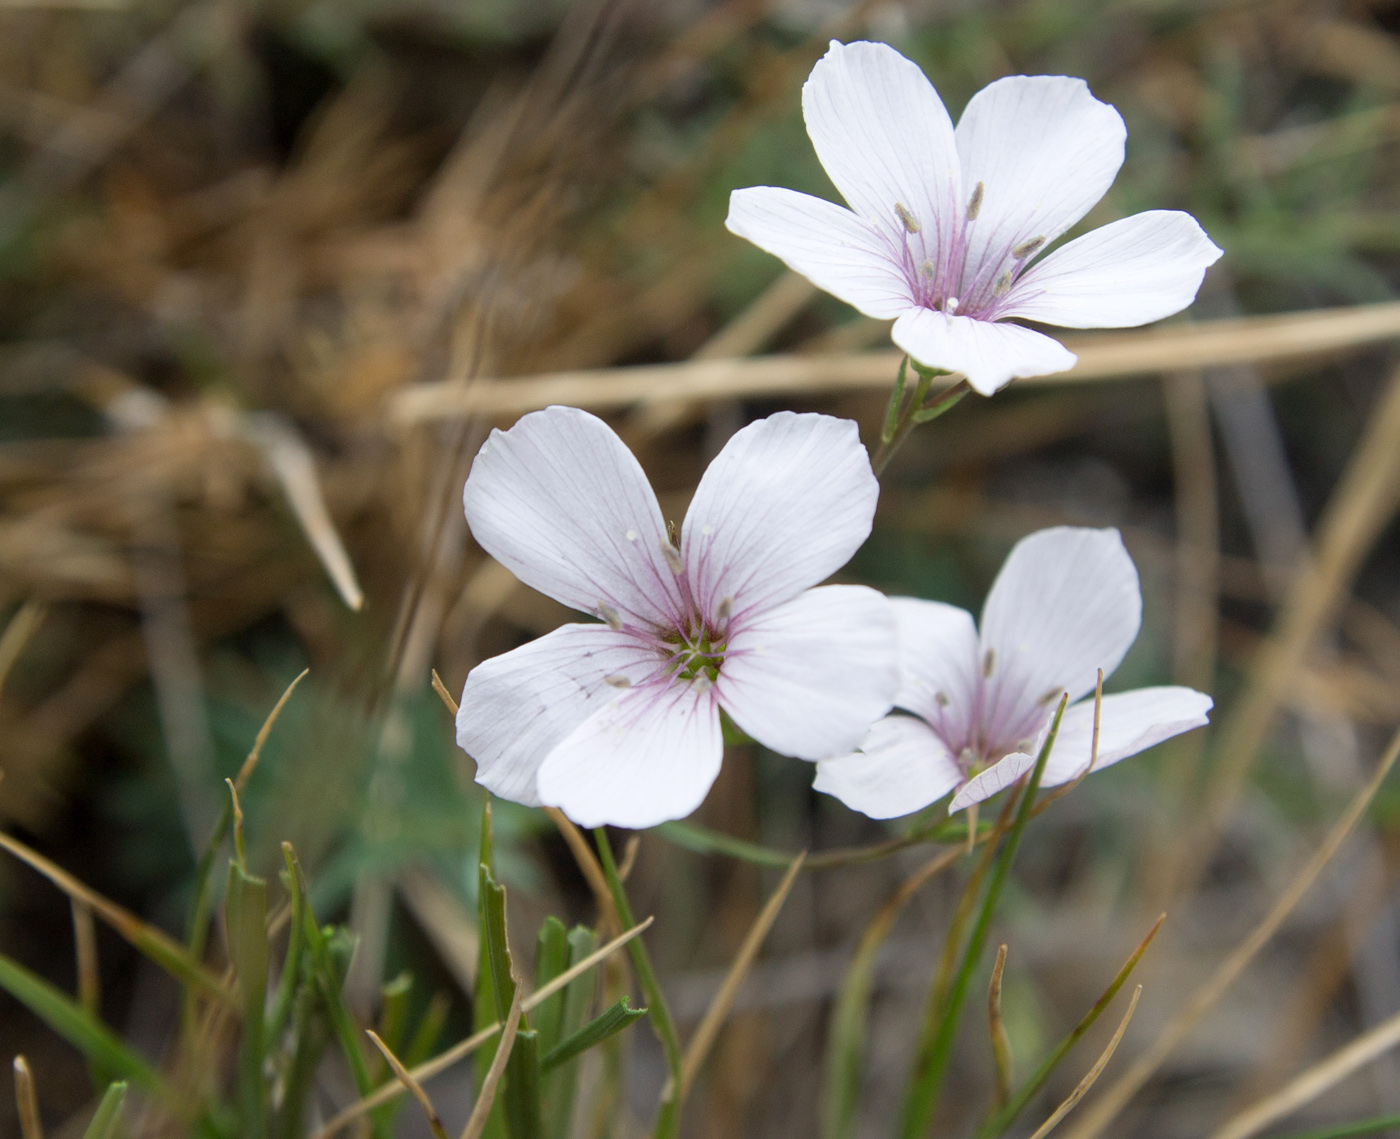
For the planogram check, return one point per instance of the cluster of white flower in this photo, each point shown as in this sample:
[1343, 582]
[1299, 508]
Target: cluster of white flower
[898, 702]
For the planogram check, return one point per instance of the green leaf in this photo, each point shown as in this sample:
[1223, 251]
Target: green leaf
[560, 1083]
[551, 959]
[606, 1024]
[245, 917]
[76, 1025]
[522, 1091]
[108, 1114]
[1346, 1130]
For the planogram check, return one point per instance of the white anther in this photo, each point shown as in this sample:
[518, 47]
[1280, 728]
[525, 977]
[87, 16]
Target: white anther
[631, 535]
[617, 680]
[927, 269]
[989, 663]
[1051, 695]
[950, 306]
[974, 204]
[609, 614]
[911, 223]
[724, 609]
[1026, 248]
[672, 556]
[1003, 285]
[941, 699]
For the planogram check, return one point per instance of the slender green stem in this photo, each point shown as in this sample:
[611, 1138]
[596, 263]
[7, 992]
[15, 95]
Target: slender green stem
[669, 1117]
[901, 417]
[896, 405]
[936, 1043]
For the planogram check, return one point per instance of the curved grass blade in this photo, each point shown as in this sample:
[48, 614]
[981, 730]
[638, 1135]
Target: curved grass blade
[105, 1122]
[600, 1028]
[1091, 1077]
[26, 1102]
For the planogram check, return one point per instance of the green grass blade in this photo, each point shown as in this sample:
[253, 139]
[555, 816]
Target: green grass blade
[245, 918]
[560, 1084]
[551, 959]
[109, 1112]
[600, 1028]
[524, 1115]
[1346, 1130]
[76, 1025]
[936, 1043]
[291, 977]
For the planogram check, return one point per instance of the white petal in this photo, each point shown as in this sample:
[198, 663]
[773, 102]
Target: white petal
[884, 137]
[938, 663]
[1066, 603]
[1045, 151]
[648, 756]
[562, 503]
[830, 246]
[989, 354]
[901, 767]
[998, 777]
[810, 676]
[783, 506]
[1129, 272]
[1129, 722]
[516, 707]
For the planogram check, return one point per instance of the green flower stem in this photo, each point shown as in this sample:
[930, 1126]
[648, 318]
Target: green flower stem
[669, 1117]
[936, 1040]
[901, 416]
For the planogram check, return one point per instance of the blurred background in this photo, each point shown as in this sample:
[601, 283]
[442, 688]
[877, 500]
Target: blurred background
[233, 235]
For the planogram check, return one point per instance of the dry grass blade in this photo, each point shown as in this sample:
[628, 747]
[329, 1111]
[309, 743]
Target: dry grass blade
[18, 630]
[144, 937]
[240, 782]
[466, 1047]
[26, 1102]
[1001, 1043]
[295, 467]
[1365, 499]
[1310, 1084]
[708, 1029]
[1177, 1029]
[481, 1110]
[441, 689]
[1100, 357]
[406, 1078]
[1091, 1077]
[588, 865]
[85, 947]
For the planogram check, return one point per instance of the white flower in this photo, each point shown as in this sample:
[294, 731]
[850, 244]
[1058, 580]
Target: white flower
[619, 722]
[945, 225]
[1065, 604]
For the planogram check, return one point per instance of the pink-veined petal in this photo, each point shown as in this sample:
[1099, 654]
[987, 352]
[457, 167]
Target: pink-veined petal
[809, 677]
[998, 777]
[1129, 722]
[902, 766]
[989, 354]
[562, 503]
[1126, 273]
[647, 756]
[884, 137]
[517, 706]
[832, 247]
[938, 663]
[1045, 151]
[783, 506]
[1065, 604]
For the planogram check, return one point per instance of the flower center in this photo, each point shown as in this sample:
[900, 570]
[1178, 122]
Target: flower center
[697, 654]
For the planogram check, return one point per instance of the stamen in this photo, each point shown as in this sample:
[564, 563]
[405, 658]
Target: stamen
[927, 269]
[950, 306]
[671, 533]
[974, 205]
[989, 663]
[672, 556]
[1026, 248]
[609, 614]
[1003, 285]
[911, 223]
[941, 699]
[1023, 746]
[1051, 695]
[617, 680]
[724, 609]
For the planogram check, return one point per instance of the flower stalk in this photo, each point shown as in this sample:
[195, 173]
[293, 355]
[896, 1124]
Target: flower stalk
[902, 415]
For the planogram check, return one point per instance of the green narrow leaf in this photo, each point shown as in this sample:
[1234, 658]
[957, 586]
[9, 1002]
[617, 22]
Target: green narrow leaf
[606, 1024]
[76, 1025]
[551, 959]
[393, 1011]
[291, 965]
[523, 1110]
[1347, 1130]
[487, 1006]
[109, 1112]
[245, 918]
[560, 1083]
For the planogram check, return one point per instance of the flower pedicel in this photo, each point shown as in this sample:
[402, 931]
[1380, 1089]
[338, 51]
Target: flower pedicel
[619, 721]
[946, 225]
[976, 707]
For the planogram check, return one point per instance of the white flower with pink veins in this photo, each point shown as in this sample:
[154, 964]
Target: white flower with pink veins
[975, 708]
[946, 226]
[619, 722]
